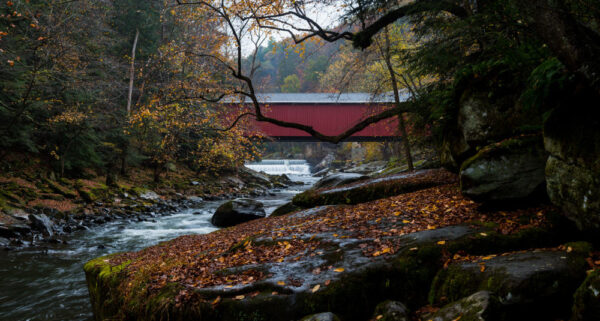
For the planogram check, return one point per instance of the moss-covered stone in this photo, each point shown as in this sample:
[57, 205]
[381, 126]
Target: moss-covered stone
[57, 188]
[522, 280]
[372, 189]
[102, 278]
[87, 196]
[480, 306]
[586, 301]
[285, 209]
[391, 311]
[510, 170]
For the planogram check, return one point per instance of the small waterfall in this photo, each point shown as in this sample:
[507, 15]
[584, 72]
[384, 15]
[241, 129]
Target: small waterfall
[281, 166]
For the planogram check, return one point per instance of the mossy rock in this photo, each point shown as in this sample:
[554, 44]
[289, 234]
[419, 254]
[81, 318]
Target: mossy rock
[523, 280]
[586, 301]
[510, 170]
[391, 311]
[87, 196]
[55, 187]
[480, 306]
[285, 209]
[369, 190]
[101, 276]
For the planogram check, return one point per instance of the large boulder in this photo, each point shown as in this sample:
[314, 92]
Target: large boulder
[586, 306]
[285, 209]
[374, 188]
[572, 137]
[476, 307]
[509, 170]
[42, 223]
[391, 311]
[524, 281]
[338, 179]
[238, 211]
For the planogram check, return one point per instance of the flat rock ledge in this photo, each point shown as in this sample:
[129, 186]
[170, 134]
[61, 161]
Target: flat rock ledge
[334, 276]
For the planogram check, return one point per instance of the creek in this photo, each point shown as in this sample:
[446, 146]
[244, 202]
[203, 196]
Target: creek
[46, 281]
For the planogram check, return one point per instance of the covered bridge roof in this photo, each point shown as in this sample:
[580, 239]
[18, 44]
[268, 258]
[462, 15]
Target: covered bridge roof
[326, 98]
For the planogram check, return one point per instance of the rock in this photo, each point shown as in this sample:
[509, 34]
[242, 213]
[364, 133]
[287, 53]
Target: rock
[88, 196]
[325, 163]
[325, 316]
[522, 281]
[510, 170]
[453, 151]
[195, 199]
[351, 293]
[391, 311]
[4, 242]
[367, 168]
[475, 307]
[586, 301]
[194, 183]
[374, 188]
[149, 195]
[572, 137]
[18, 214]
[285, 209]
[321, 173]
[338, 179]
[42, 223]
[238, 211]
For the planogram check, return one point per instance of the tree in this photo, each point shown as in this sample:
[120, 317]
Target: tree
[291, 84]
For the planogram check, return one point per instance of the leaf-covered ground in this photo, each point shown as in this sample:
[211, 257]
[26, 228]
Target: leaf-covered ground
[197, 261]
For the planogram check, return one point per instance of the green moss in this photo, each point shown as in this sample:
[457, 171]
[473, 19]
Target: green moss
[102, 279]
[285, 209]
[366, 193]
[508, 146]
[55, 187]
[586, 301]
[87, 196]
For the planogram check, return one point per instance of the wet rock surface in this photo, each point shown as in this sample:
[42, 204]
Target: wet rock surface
[338, 179]
[586, 301]
[391, 311]
[238, 211]
[374, 188]
[476, 307]
[510, 170]
[521, 281]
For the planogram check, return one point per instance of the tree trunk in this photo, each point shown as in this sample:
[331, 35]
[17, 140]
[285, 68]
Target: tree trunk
[157, 168]
[132, 71]
[388, 61]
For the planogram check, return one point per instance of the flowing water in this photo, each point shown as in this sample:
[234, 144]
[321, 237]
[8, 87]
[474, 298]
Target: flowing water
[281, 166]
[47, 282]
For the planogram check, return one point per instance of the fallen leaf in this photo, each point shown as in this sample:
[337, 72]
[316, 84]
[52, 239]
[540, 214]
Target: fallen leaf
[239, 297]
[339, 270]
[315, 288]
[217, 300]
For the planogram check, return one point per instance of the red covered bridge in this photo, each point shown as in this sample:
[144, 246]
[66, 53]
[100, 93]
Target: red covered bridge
[331, 114]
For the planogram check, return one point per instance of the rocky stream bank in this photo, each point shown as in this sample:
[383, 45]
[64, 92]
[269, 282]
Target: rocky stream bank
[37, 210]
[416, 249]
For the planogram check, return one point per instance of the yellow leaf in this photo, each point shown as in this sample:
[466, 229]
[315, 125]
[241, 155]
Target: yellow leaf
[281, 283]
[339, 270]
[441, 242]
[217, 300]
[316, 288]
[405, 221]
[239, 297]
